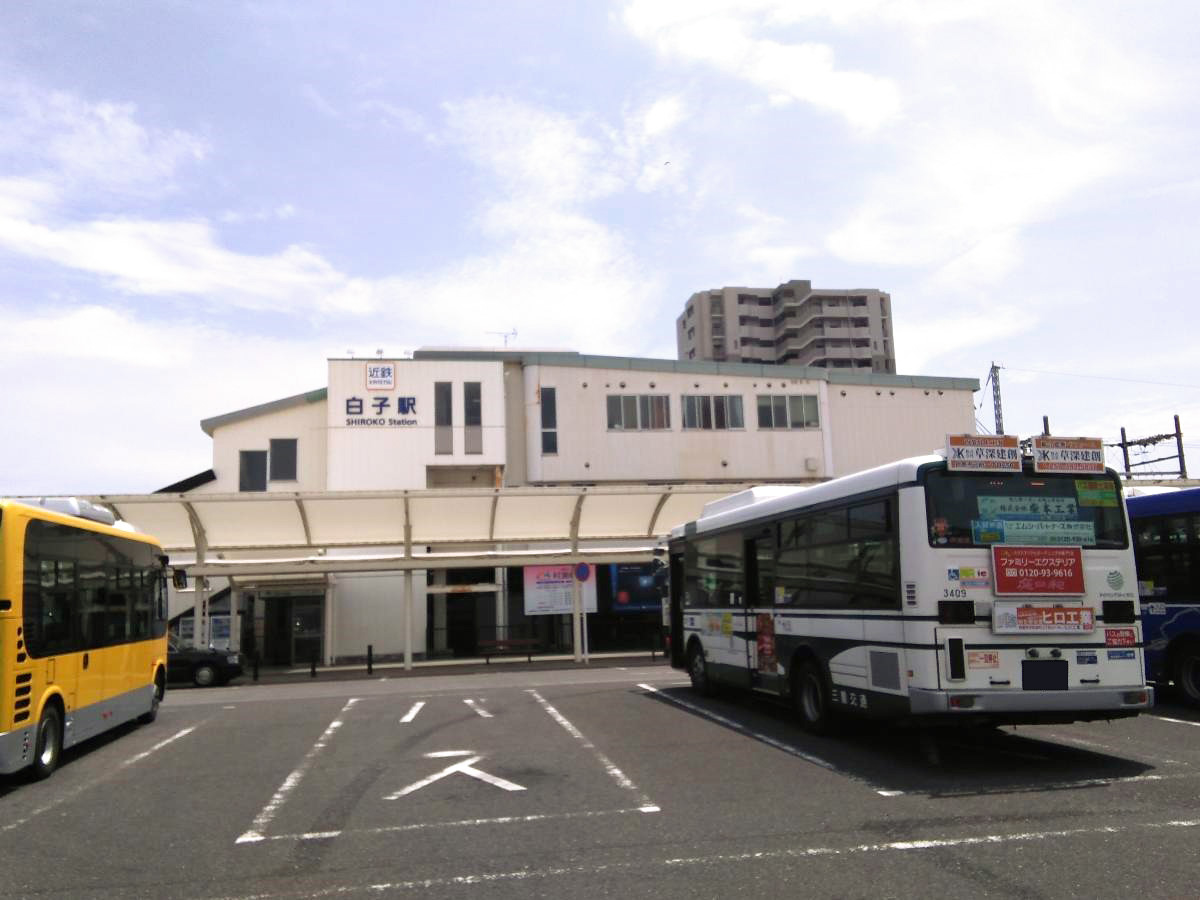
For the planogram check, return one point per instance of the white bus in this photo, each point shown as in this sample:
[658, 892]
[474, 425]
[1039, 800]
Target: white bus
[916, 591]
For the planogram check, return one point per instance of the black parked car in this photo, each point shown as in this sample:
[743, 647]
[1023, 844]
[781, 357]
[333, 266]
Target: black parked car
[204, 667]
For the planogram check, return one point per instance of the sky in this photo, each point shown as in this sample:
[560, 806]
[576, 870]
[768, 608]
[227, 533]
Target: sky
[201, 202]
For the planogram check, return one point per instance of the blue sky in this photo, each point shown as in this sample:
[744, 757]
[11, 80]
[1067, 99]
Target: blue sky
[200, 202]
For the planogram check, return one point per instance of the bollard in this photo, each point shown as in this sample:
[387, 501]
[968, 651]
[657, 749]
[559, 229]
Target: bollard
[370, 658]
[255, 665]
[312, 672]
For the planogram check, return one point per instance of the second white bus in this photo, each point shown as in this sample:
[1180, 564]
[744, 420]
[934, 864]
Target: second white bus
[913, 591]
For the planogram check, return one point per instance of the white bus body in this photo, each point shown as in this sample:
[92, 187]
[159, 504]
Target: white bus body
[876, 595]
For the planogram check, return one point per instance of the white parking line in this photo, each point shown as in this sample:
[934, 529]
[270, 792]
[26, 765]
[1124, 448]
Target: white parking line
[461, 823]
[485, 878]
[1176, 721]
[9, 826]
[739, 727]
[479, 709]
[412, 713]
[647, 805]
[263, 819]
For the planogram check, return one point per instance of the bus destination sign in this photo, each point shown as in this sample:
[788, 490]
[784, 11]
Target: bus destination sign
[1073, 456]
[983, 453]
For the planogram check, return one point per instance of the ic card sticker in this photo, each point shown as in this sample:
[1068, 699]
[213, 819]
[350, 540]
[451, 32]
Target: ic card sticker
[1086, 657]
[1120, 654]
[983, 659]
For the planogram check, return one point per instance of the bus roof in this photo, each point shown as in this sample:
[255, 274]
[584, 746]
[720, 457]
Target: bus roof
[55, 510]
[1165, 503]
[759, 502]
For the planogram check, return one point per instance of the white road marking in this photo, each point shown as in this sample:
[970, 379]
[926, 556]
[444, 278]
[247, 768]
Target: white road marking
[485, 878]
[462, 823]
[479, 709]
[466, 767]
[9, 826]
[742, 729]
[412, 713]
[263, 819]
[647, 805]
[1176, 721]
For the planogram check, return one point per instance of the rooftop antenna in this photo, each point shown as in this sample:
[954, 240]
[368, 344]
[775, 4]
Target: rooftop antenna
[379, 353]
[350, 352]
[506, 335]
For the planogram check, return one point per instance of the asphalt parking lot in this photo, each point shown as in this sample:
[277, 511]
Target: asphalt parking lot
[591, 782]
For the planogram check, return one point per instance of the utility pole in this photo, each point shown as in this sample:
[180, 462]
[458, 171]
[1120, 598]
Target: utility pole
[1125, 443]
[994, 378]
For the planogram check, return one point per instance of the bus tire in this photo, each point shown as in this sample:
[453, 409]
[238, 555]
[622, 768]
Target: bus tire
[47, 748]
[160, 686]
[810, 694]
[1185, 672]
[697, 667]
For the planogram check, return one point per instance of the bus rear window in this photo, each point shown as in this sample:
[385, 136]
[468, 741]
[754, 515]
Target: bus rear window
[978, 509]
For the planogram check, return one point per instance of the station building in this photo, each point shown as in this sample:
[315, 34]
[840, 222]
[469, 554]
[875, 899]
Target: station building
[417, 505]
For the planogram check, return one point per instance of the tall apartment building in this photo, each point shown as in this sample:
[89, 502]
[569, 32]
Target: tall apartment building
[793, 324]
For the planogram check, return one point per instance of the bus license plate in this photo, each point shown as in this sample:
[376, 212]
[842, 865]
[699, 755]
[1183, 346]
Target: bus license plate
[1043, 620]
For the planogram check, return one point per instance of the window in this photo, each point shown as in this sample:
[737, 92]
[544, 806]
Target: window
[978, 509]
[252, 470]
[638, 412]
[842, 557]
[713, 572]
[788, 411]
[283, 459]
[549, 421]
[472, 417]
[84, 590]
[443, 417]
[720, 412]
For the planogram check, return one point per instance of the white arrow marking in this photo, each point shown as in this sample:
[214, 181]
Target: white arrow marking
[466, 767]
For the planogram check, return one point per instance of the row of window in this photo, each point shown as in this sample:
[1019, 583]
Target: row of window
[844, 557]
[652, 412]
[84, 590]
[257, 467]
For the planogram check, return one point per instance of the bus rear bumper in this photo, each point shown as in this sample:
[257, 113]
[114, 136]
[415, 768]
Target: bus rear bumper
[1090, 703]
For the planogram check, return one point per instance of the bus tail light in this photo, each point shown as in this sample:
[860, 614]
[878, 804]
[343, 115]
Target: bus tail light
[962, 701]
[1134, 697]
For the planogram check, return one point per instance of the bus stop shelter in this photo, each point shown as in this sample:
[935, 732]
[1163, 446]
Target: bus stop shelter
[261, 537]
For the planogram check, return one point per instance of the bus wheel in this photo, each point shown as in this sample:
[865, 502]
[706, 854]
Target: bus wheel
[811, 697]
[159, 688]
[698, 671]
[1186, 673]
[48, 746]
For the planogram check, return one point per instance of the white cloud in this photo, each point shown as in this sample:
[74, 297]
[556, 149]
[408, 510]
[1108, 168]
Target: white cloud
[725, 36]
[182, 259]
[60, 137]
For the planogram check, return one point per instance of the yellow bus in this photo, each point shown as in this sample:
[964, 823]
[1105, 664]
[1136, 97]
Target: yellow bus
[83, 644]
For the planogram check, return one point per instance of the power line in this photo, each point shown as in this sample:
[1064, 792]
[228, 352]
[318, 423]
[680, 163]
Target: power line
[1104, 378]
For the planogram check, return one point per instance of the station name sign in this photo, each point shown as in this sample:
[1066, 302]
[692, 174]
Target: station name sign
[379, 408]
[1002, 453]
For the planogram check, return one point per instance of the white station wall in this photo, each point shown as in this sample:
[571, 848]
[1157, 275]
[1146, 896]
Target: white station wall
[393, 453]
[304, 422]
[589, 451]
[871, 425]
